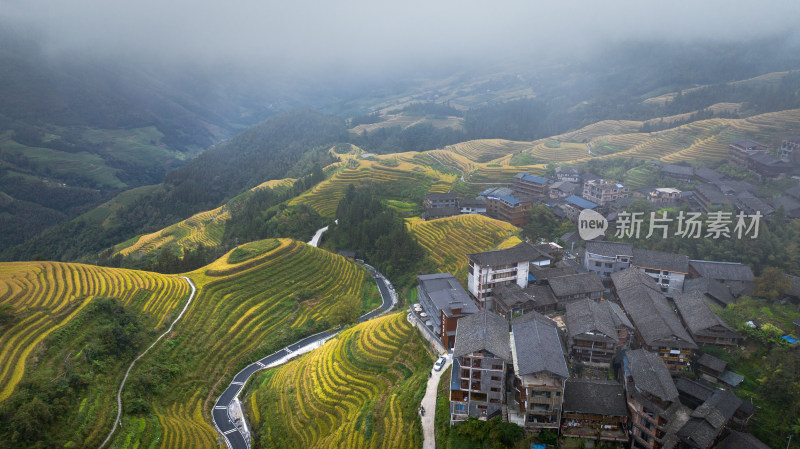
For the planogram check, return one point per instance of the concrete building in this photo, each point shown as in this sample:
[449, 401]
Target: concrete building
[505, 266]
[605, 258]
[478, 376]
[568, 174]
[601, 191]
[445, 301]
[526, 184]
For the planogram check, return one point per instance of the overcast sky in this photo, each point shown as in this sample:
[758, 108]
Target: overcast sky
[371, 33]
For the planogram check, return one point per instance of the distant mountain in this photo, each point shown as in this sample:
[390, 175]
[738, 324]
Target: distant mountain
[290, 144]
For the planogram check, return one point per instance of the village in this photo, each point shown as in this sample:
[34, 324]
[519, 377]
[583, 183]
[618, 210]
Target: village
[601, 341]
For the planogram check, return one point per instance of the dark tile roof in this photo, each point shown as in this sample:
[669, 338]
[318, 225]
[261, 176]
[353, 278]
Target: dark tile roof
[796, 321]
[595, 397]
[739, 440]
[696, 312]
[630, 278]
[512, 294]
[746, 143]
[722, 271]
[653, 317]
[658, 260]
[794, 286]
[766, 159]
[446, 293]
[677, 170]
[789, 204]
[707, 174]
[591, 316]
[497, 192]
[576, 284]
[472, 203]
[650, 374]
[794, 191]
[482, 331]
[693, 389]
[564, 186]
[711, 288]
[731, 378]
[441, 196]
[707, 420]
[580, 202]
[568, 170]
[543, 274]
[609, 249]
[712, 362]
[523, 252]
[537, 346]
[440, 212]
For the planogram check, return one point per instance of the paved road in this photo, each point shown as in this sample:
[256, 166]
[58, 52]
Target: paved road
[124, 379]
[429, 403]
[235, 437]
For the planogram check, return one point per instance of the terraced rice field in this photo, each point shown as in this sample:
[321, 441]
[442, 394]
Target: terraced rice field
[205, 228]
[242, 312]
[603, 128]
[47, 295]
[449, 240]
[485, 150]
[408, 180]
[564, 152]
[360, 390]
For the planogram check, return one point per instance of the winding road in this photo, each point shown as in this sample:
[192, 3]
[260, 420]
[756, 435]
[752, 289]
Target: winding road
[124, 379]
[236, 434]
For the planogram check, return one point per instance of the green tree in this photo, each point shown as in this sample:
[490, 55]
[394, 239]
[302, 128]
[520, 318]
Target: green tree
[345, 310]
[771, 284]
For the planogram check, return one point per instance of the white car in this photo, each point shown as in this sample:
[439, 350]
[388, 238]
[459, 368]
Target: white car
[439, 364]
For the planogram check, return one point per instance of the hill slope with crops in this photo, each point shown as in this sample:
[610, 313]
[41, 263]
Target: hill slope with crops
[55, 340]
[449, 240]
[360, 390]
[249, 304]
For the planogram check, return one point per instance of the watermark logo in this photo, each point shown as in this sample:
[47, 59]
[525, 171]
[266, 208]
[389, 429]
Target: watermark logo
[591, 224]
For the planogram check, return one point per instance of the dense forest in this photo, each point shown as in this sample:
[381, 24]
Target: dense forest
[375, 233]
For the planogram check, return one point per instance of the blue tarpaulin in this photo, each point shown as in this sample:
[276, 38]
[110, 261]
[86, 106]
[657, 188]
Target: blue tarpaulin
[790, 339]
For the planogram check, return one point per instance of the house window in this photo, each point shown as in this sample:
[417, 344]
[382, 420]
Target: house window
[598, 264]
[460, 408]
[496, 378]
[608, 265]
[497, 367]
[495, 389]
[465, 373]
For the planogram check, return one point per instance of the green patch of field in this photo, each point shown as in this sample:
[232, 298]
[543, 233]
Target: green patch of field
[523, 159]
[552, 144]
[251, 250]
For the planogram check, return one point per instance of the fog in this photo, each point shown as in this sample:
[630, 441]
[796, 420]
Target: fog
[369, 35]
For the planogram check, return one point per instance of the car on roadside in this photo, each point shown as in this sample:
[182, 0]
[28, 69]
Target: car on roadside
[439, 364]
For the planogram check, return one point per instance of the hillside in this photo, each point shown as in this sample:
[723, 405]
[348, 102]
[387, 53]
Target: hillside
[360, 390]
[54, 316]
[246, 308]
[250, 302]
[449, 240]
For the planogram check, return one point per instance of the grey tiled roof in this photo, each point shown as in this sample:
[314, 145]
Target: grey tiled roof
[707, 420]
[694, 389]
[794, 286]
[542, 274]
[710, 287]
[537, 346]
[650, 374]
[610, 249]
[596, 397]
[696, 312]
[591, 316]
[794, 191]
[653, 317]
[657, 260]
[523, 252]
[707, 174]
[513, 294]
[739, 440]
[482, 331]
[680, 170]
[441, 196]
[723, 271]
[629, 278]
[576, 284]
[712, 362]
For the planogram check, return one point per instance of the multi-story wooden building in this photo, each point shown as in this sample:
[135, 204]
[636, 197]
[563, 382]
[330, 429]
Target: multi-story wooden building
[445, 301]
[569, 174]
[705, 327]
[540, 371]
[574, 287]
[669, 270]
[480, 357]
[594, 409]
[657, 327]
[439, 200]
[596, 331]
[602, 191]
[739, 151]
[653, 401]
[511, 300]
[492, 268]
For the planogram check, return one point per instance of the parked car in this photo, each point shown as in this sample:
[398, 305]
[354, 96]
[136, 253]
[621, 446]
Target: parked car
[439, 364]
